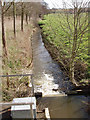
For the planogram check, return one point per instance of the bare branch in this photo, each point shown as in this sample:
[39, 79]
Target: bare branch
[7, 8]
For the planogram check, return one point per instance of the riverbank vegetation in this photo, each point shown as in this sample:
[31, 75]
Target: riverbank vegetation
[19, 59]
[18, 22]
[65, 35]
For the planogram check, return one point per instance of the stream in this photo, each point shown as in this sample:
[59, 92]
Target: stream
[49, 79]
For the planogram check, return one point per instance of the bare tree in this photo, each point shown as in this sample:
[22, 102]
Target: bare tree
[22, 15]
[4, 8]
[3, 31]
[14, 19]
[74, 27]
[80, 27]
[77, 27]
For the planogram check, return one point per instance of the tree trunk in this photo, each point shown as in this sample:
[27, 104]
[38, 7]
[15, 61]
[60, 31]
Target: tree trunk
[22, 16]
[72, 78]
[74, 47]
[3, 33]
[29, 17]
[26, 18]
[72, 71]
[7, 81]
[14, 20]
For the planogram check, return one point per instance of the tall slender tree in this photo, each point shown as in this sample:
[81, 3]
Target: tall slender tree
[4, 9]
[22, 15]
[3, 31]
[14, 22]
[74, 28]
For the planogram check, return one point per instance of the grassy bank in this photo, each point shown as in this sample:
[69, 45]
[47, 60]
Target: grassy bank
[59, 41]
[19, 60]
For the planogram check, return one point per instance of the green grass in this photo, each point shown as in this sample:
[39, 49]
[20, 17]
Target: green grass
[58, 32]
[55, 28]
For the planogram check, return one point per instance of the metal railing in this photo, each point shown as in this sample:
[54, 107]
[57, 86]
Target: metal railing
[19, 75]
[16, 75]
[24, 103]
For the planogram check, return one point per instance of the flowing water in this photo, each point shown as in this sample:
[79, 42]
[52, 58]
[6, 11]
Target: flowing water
[48, 79]
[47, 74]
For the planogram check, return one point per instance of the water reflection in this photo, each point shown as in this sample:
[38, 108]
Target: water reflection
[65, 107]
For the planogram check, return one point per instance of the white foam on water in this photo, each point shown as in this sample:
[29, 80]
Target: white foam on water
[46, 85]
